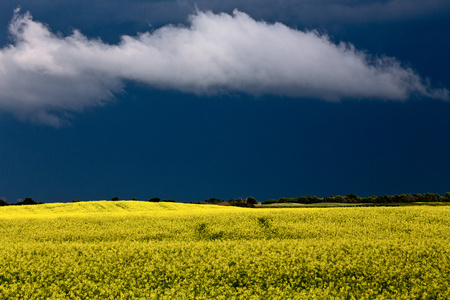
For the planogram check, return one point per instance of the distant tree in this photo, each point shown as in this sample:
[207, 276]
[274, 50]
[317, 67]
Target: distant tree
[237, 202]
[115, 198]
[430, 197]
[212, 201]
[351, 198]
[3, 202]
[287, 200]
[370, 199]
[252, 201]
[28, 201]
[270, 201]
[447, 197]
[331, 198]
[417, 197]
[339, 199]
[242, 202]
[134, 199]
[307, 199]
[154, 200]
[403, 198]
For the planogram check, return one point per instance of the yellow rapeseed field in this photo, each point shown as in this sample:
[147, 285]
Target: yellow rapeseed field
[142, 250]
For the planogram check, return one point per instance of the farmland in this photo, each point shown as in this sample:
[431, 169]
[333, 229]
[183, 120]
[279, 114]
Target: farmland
[142, 250]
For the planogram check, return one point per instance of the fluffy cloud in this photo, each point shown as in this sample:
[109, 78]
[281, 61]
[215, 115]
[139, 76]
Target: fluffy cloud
[43, 76]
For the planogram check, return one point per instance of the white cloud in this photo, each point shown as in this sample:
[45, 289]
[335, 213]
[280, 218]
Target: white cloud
[43, 76]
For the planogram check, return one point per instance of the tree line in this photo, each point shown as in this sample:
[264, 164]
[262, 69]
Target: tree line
[351, 198]
[251, 202]
[243, 202]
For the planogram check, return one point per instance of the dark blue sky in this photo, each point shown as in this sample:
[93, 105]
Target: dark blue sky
[181, 142]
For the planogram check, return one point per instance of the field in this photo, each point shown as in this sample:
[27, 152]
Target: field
[142, 250]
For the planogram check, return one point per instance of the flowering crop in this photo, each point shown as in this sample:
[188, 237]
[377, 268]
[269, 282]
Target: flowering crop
[141, 250]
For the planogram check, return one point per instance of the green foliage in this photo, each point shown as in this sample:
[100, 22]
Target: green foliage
[447, 197]
[212, 201]
[248, 202]
[27, 201]
[270, 201]
[154, 200]
[115, 198]
[351, 198]
[251, 201]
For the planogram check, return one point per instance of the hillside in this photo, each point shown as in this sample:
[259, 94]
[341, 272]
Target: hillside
[105, 208]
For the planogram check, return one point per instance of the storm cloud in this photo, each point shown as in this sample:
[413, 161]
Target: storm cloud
[44, 76]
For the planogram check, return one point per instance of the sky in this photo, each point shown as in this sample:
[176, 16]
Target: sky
[188, 100]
